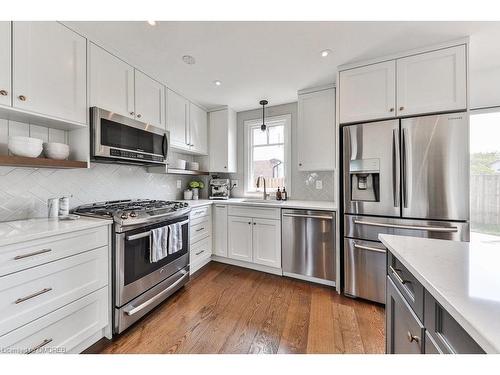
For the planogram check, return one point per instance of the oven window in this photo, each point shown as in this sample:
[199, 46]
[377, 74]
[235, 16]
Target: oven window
[136, 257]
[118, 135]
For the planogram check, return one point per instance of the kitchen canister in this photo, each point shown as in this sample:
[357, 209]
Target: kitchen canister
[64, 206]
[53, 207]
[188, 195]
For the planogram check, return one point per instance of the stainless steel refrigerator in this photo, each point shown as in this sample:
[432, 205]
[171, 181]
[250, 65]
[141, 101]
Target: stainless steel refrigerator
[406, 177]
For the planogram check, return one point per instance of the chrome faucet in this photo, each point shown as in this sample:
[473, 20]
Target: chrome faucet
[257, 184]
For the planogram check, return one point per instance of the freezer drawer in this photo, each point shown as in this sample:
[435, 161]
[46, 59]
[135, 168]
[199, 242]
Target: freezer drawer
[308, 244]
[364, 269]
[368, 228]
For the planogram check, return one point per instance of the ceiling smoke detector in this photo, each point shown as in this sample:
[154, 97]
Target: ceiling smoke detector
[188, 59]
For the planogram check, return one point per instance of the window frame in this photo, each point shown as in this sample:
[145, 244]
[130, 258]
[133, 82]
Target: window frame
[248, 150]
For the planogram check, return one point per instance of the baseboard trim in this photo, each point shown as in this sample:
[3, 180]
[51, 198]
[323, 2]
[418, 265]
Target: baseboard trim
[256, 267]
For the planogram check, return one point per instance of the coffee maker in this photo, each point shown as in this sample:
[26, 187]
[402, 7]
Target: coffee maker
[219, 188]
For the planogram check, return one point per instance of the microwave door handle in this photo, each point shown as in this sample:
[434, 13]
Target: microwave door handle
[165, 146]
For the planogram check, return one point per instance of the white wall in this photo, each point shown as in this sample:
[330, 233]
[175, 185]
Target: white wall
[485, 87]
[299, 189]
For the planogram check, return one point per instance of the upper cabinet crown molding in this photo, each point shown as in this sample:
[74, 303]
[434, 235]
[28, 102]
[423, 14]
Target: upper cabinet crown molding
[428, 82]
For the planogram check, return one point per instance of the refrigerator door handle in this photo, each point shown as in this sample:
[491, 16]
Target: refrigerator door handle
[409, 227]
[395, 167]
[404, 167]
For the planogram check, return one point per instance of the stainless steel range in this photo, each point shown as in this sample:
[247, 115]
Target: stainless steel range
[139, 284]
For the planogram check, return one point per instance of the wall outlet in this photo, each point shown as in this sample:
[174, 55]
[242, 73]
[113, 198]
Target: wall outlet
[179, 184]
[319, 184]
[234, 183]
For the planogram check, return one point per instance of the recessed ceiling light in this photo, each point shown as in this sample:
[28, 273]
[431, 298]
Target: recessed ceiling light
[325, 52]
[188, 59]
[152, 23]
[217, 83]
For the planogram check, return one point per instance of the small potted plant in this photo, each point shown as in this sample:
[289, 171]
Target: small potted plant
[195, 186]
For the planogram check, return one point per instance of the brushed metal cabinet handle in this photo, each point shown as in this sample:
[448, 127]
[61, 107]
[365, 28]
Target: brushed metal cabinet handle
[22, 98]
[139, 115]
[412, 337]
[17, 257]
[401, 108]
[369, 248]
[409, 227]
[391, 109]
[3, 92]
[200, 252]
[396, 275]
[199, 229]
[41, 345]
[22, 299]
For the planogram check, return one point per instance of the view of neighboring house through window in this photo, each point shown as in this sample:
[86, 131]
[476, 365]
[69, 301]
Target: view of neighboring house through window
[266, 153]
[485, 174]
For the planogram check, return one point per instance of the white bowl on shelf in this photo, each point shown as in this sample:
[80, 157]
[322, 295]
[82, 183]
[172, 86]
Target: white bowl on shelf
[193, 165]
[57, 151]
[25, 146]
[179, 164]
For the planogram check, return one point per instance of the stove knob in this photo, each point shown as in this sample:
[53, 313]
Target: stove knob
[185, 204]
[133, 214]
[124, 216]
[176, 206]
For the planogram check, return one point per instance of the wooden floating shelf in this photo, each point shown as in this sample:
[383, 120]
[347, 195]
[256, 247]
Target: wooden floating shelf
[21, 161]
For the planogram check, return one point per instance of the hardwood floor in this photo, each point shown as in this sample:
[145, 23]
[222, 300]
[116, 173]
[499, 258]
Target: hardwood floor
[228, 309]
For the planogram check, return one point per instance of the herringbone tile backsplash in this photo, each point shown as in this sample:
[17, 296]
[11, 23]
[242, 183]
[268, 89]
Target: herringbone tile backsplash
[24, 191]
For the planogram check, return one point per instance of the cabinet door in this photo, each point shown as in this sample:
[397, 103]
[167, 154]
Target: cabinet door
[368, 92]
[404, 332]
[432, 82]
[5, 66]
[220, 230]
[177, 124]
[218, 141]
[240, 238]
[198, 129]
[50, 70]
[316, 131]
[111, 82]
[266, 241]
[149, 100]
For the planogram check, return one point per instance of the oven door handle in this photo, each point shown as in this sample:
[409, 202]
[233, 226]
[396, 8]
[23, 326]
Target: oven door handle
[131, 310]
[148, 233]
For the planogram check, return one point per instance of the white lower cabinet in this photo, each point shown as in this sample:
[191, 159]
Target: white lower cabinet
[220, 230]
[266, 242]
[240, 238]
[200, 237]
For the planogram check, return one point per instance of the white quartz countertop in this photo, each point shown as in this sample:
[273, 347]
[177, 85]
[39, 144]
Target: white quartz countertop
[32, 229]
[463, 277]
[307, 205]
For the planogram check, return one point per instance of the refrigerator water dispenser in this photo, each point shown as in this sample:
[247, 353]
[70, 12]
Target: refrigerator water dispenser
[364, 174]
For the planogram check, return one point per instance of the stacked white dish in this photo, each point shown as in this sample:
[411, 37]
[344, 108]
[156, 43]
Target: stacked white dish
[193, 165]
[25, 146]
[179, 164]
[54, 150]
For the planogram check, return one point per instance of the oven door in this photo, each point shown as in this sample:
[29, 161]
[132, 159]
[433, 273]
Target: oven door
[134, 273]
[119, 138]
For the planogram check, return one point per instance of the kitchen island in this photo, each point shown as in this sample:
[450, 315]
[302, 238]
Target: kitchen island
[442, 296]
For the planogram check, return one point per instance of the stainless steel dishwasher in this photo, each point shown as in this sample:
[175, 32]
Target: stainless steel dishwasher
[308, 245]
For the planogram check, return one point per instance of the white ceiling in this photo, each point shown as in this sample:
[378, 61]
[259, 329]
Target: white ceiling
[272, 60]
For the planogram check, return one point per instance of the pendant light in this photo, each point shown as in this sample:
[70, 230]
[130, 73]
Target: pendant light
[263, 103]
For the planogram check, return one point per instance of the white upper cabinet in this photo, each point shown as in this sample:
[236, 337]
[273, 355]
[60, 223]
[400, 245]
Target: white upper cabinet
[111, 83]
[368, 92]
[198, 129]
[177, 120]
[266, 242]
[49, 70]
[5, 59]
[432, 82]
[222, 141]
[149, 100]
[316, 131]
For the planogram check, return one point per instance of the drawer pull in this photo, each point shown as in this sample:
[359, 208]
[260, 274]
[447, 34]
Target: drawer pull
[199, 252]
[44, 290]
[399, 278]
[32, 254]
[408, 227]
[41, 345]
[369, 248]
[199, 229]
[412, 338]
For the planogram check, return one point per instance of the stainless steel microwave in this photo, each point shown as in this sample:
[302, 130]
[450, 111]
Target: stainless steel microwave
[116, 138]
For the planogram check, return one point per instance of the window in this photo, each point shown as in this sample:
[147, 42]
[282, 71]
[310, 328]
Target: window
[485, 175]
[267, 153]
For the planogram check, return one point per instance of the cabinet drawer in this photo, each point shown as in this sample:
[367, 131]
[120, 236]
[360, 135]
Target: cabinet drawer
[32, 293]
[63, 329]
[200, 250]
[404, 330]
[257, 212]
[449, 337]
[199, 212]
[20, 256]
[407, 284]
[201, 230]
